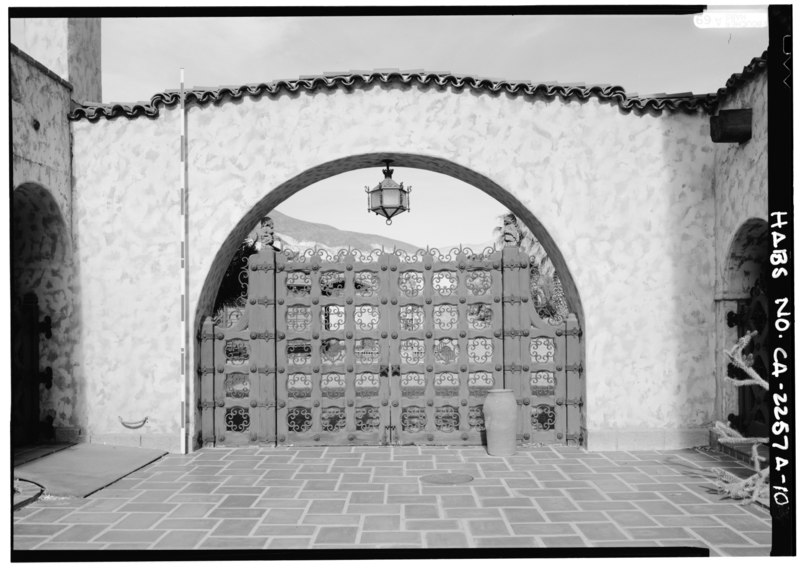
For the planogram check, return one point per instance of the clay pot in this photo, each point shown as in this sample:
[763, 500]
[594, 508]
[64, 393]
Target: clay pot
[500, 419]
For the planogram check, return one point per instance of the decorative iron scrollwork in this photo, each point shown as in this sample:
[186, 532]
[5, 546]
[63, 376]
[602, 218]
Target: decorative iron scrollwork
[445, 282]
[332, 317]
[445, 350]
[480, 349]
[367, 384]
[445, 316]
[332, 419]
[411, 283]
[367, 317]
[543, 349]
[476, 418]
[298, 419]
[298, 351]
[543, 383]
[237, 419]
[478, 282]
[412, 385]
[543, 417]
[479, 316]
[413, 419]
[298, 318]
[446, 418]
[446, 384]
[237, 352]
[366, 283]
[411, 318]
[331, 283]
[332, 385]
[298, 385]
[368, 418]
[412, 351]
[237, 385]
[479, 383]
[367, 351]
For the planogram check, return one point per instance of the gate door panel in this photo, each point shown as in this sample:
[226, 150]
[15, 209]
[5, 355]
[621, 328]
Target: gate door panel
[331, 364]
[449, 345]
[535, 352]
[243, 365]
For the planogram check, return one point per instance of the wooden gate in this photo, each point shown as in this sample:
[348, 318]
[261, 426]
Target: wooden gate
[388, 348]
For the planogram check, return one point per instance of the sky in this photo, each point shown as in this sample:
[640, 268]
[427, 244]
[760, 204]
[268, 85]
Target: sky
[643, 54]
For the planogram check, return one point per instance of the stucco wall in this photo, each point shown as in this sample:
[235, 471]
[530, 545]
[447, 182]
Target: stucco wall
[85, 59]
[40, 156]
[70, 47]
[44, 39]
[627, 199]
[42, 256]
[127, 210]
[741, 193]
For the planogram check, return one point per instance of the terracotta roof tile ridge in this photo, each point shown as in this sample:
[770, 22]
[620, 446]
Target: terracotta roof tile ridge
[748, 73]
[680, 102]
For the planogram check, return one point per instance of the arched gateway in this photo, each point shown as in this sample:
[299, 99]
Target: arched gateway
[387, 347]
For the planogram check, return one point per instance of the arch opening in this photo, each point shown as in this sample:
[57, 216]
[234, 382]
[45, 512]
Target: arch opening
[222, 260]
[42, 309]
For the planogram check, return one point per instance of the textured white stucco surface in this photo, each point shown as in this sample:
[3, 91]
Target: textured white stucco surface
[127, 210]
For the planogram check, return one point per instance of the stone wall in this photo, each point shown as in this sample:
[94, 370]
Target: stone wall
[42, 253]
[127, 216]
[741, 192]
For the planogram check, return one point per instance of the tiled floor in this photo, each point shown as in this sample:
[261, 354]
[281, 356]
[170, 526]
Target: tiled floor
[367, 497]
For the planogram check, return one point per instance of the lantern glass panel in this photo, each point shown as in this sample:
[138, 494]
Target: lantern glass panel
[374, 200]
[391, 197]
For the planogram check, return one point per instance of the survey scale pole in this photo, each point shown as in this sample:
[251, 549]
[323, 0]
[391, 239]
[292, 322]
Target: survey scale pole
[184, 275]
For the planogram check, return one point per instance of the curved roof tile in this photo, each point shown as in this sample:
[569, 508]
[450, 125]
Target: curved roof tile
[616, 95]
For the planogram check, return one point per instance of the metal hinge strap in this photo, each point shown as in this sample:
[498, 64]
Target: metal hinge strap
[574, 368]
[264, 267]
[577, 332]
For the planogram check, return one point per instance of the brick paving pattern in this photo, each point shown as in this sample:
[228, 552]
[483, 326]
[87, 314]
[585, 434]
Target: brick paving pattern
[372, 497]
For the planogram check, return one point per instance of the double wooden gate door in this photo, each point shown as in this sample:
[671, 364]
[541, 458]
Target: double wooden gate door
[388, 348]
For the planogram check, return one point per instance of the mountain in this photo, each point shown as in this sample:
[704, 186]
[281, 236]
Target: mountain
[301, 235]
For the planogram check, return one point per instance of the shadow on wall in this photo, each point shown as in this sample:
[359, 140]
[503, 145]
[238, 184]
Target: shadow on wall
[42, 265]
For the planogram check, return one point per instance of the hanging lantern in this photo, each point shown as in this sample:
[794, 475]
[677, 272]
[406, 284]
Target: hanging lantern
[388, 198]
